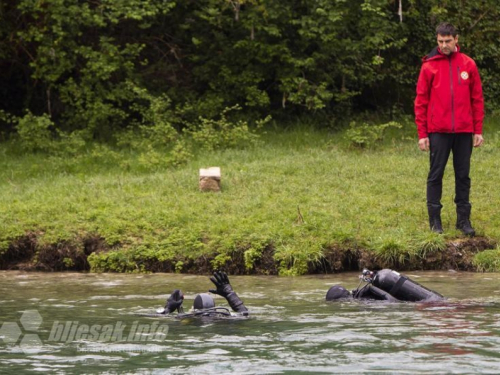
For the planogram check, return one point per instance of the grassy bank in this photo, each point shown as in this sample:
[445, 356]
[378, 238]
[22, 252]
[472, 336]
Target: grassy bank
[300, 201]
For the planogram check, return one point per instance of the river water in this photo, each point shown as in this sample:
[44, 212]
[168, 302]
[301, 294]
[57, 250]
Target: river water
[62, 323]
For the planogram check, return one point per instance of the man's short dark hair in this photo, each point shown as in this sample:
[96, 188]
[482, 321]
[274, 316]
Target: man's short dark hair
[445, 28]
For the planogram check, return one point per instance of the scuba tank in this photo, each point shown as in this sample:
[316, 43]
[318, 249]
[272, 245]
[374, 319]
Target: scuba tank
[204, 307]
[203, 301]
[403, 288]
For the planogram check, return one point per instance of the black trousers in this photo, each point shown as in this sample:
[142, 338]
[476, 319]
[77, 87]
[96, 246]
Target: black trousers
[440, 146]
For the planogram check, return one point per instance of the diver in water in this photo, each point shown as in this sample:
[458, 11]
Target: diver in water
[385, 285]
[204, 304]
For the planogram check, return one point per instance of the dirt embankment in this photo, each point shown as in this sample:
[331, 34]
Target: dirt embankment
[28, 254]
[457, 255]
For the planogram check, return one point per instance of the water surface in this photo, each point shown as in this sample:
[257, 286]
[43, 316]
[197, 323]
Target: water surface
[292, 328]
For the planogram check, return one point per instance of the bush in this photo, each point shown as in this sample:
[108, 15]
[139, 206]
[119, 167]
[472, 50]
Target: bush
[223, 133]
[366, 135]
[35, 133]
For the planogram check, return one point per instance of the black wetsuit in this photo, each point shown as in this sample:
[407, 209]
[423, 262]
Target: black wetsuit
[204, 304]
[385, 285]
[372, 292]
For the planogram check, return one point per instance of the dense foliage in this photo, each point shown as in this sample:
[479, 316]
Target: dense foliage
[80, 70]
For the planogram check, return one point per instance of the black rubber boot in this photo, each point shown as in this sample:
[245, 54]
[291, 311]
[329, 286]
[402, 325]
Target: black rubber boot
[463, 221]
[435, 219]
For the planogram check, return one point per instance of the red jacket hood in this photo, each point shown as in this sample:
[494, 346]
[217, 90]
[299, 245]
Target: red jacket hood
[437, 54]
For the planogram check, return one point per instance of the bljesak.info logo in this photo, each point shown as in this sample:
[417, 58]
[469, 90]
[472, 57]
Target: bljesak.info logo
[27, 336]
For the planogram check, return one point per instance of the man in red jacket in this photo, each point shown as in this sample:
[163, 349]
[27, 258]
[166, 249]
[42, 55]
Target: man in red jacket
[449, 112]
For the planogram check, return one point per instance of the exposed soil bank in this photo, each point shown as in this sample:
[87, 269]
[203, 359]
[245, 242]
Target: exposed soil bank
[27, 254]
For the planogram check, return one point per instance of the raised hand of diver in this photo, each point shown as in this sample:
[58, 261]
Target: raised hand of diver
[174, 302]
[221, 282]
[225, 290]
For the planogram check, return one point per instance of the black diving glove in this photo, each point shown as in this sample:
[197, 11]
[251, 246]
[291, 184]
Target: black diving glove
[225, 290]
[174, 302]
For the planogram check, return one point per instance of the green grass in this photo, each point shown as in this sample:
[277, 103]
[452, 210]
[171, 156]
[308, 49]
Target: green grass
[372, 198]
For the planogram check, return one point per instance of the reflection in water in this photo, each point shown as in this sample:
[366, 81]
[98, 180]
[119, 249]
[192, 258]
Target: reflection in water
[291, 329]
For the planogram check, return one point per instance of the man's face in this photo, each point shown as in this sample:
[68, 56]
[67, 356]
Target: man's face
[447, 43]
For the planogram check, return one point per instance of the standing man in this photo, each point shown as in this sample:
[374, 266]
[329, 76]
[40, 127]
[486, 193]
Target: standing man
[449, 112]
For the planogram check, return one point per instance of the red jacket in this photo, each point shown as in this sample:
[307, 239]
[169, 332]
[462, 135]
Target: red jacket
[449, 95]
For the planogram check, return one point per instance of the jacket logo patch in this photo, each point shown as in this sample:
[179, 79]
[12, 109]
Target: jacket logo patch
[464, 75]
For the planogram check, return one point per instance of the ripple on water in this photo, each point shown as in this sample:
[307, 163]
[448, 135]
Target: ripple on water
[77, 358]
[107, 283]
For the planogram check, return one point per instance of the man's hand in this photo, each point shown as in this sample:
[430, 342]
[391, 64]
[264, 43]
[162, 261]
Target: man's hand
[174, 302]
[423, 144]
[478, 140]
[221, 281]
